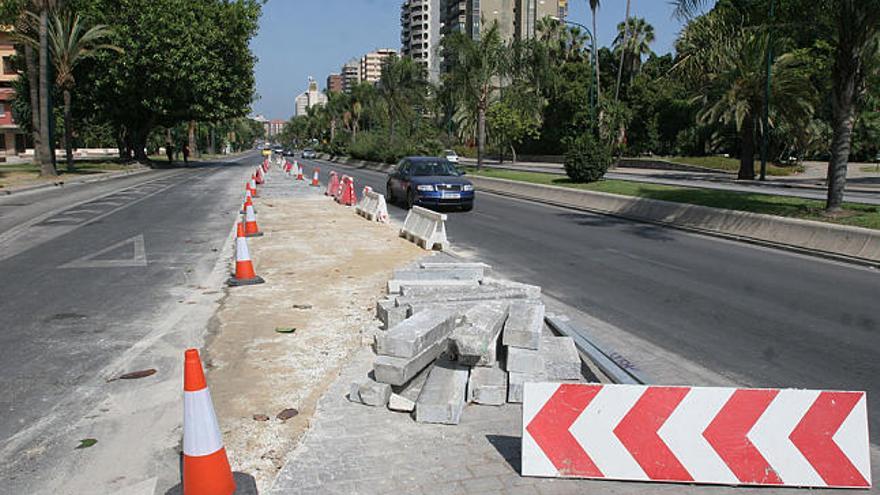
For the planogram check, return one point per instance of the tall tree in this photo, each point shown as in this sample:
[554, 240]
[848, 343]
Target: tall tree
[71, 41]
[47, 152]
[633, 46]
[475, 78]
[622, 52]
[403, 88]
[594, 6]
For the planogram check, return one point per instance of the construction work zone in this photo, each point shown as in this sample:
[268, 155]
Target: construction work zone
[273, 348]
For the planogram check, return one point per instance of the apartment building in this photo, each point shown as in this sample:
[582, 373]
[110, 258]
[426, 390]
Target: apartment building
[371, 64]
[351, 74]
[309, 98]
[12, 139]
[335, 83]
[420, 23]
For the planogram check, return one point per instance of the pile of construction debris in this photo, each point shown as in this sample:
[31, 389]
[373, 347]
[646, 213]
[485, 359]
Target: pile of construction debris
[453, 336]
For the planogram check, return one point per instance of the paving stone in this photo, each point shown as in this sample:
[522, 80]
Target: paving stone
[411, 389]
[561, 358]
[524, 325]
[398, 371]
[465, 296]
[430, 265]
[389, 313]
[370, 392]
[533, 291]
[487, 386]
[400, 403]
[443, 396]
[527, 361]
[395, 285]
[444, 273]
[415, 334]
[475, 342]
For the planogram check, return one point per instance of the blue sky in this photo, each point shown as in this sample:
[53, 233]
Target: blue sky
[302, 38]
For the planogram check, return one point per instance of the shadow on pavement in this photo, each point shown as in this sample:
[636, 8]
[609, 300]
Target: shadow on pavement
[510, 449]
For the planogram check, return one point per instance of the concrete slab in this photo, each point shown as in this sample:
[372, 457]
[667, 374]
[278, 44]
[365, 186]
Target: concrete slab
[561, 359]
[400, 403]
[524, 325]
[413, 335]
[440, 274]
[527, 361]
[370, 392]
[398, 371]
[466, 296]
[487, 386]
[443, 396]
[476, 341]
[389, 313]
[395, 285]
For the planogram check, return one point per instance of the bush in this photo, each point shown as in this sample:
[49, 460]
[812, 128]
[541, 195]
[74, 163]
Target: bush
[377, 147]
[586, 160]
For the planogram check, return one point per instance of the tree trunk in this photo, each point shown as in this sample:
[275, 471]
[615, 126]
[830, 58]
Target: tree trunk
[138, 144]
[622, 51]
[68, 131]
[192, 137]
[596, 58]
[747, 159]
[34, 86]
[846, 70]
[47, 168]
[513, 154]
[481, 135]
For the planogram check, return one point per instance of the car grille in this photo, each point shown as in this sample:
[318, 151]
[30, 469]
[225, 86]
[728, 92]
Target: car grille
[449, 187]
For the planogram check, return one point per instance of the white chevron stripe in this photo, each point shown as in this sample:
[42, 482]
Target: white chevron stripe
[852, 438]
[770, 437]
[683, 434]
[594, 430]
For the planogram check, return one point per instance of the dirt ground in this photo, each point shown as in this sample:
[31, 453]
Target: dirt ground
[325, 267]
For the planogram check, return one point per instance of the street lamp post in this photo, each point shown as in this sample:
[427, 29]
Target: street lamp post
[592, 68]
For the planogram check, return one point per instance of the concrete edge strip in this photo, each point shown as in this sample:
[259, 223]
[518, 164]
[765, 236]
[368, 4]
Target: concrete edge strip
[535, 195]
[614, 371]
[89, 180]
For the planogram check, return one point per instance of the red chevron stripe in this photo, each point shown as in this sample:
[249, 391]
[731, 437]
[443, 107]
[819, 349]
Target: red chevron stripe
[727, 435]
[637, 432]
[813, 437]
[550, 430]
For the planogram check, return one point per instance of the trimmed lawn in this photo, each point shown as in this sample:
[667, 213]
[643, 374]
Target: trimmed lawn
[854, 214]
[729, 164]
[25, 173]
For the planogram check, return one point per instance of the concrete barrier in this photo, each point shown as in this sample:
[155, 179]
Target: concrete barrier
[426, 228]
[373, 207]
[838, 241]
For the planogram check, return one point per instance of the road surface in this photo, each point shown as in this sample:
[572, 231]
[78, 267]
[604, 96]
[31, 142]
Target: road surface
[762, 317]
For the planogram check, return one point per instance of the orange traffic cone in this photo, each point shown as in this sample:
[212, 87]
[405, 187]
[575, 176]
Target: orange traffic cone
[299, 172]
[332, 184]
[253, 184]
[247, 202]
[206, 469]
[315, 177]
[244, 267]
[250, 222]
[349, 197]
[259, 175]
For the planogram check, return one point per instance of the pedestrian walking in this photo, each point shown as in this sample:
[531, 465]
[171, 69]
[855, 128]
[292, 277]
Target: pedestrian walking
[169, 152]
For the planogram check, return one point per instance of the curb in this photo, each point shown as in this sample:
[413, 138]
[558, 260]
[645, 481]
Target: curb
[840, 242]
[101, 178]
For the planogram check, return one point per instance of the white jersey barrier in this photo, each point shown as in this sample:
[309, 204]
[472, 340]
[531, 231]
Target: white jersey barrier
[426, 228]
[372, 206]
[727, 436]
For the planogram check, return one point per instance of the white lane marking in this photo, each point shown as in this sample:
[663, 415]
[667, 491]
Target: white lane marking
[138, 260]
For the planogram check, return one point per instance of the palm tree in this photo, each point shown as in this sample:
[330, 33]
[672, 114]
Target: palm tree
[47, 153]
[475, 78]
[633, 46]
[402, 87]
[594, 5]
[70, 43]
[727, 67]
[622, 52]
[858, 26]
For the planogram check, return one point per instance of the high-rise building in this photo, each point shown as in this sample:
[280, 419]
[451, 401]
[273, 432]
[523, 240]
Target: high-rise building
[12, 139]
[420, 23]
[335, 84]
[351, 74]
[528, 12]
[371, 64]
[310, 98]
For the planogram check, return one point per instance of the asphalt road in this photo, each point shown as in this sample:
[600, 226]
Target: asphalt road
[87, 272]
[762, 317]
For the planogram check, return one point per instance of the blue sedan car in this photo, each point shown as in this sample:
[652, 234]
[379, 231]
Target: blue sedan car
[429, 181]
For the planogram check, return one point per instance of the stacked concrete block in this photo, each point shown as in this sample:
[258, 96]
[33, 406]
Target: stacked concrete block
[442, 398]
[475, 342]
[413, 335]
[524, 325]
[556, 361]
[439, 277]
[395, 286]
[487, 386]
[370, 392]
[389, 313]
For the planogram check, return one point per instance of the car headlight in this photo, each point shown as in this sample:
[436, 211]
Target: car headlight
[467, 187]
[425, 187]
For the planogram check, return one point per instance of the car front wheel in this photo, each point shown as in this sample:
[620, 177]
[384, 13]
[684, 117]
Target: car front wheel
[389, 193]
[410, 198]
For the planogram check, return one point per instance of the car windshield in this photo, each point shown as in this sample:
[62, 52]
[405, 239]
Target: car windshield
[449, 153]
[428, 168]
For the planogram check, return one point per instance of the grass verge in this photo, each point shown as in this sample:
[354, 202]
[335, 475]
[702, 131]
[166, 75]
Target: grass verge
[20, 174]
[729, 164]
[858, 215]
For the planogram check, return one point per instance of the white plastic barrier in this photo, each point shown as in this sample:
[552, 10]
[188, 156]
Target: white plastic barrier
[426, 228]
[372, 206]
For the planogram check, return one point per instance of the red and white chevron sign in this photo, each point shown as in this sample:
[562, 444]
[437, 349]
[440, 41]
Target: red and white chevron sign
[727, 436]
